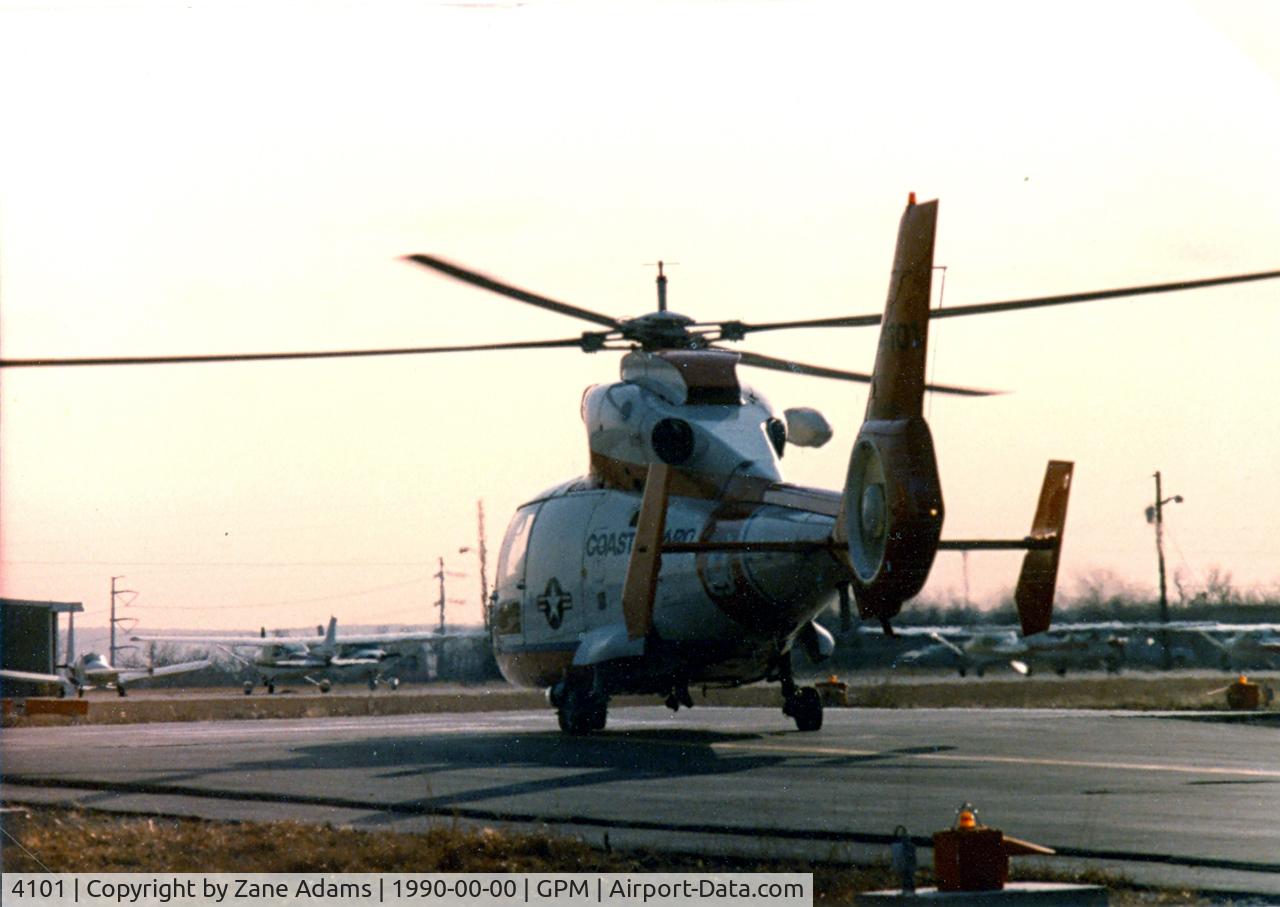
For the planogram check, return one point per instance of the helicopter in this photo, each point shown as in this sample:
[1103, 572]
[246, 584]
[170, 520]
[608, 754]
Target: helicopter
[682, 557]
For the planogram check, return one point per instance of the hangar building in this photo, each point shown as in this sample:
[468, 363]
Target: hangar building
[29, 639]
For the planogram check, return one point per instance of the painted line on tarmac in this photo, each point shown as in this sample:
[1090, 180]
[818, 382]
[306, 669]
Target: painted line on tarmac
[283, 729]
[1003, 760]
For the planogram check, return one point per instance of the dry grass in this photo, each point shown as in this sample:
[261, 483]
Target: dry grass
[75, 841]
[63, 840]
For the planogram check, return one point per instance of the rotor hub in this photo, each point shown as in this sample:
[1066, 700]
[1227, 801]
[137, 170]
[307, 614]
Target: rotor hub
[662, 331]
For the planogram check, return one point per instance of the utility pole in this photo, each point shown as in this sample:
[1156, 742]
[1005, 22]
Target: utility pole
[114, 619]
[1155, 515]
[442, 601]
[483, 553]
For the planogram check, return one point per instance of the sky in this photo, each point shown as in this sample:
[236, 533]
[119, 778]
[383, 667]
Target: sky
[219, 177]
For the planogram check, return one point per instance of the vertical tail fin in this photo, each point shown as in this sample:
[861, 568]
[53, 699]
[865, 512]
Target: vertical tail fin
[331, 637]
[897, 386]
[641, 584]
[1039, 576]
[891, 511]
[75, 666]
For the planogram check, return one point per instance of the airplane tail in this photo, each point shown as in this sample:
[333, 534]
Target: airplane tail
[330, 645]
[74, 667]
[891, 511]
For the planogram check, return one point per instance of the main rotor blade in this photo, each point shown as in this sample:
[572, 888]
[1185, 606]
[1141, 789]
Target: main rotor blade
[476, 279]
[983, 308]
[819, 371]
[263, 357]
[799, 368]
[736, 329]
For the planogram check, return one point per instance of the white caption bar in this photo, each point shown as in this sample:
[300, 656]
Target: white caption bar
[191, 889]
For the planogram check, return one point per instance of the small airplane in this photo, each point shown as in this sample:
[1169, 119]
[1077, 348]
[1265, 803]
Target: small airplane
[1056, 650]
[311, 659]
[1230, 645]
[681, 557]
[92, 671]
[968, 653]
[1258, 647]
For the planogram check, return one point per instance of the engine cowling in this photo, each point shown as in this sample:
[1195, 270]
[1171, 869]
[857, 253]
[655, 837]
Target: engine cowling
[891, 513]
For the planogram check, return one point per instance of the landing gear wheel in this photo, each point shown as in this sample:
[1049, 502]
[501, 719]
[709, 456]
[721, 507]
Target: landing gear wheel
[248, 688]
[271, 686]
[373, 684]
[805, 708]
[394, 683]
[579, 711]
[121, 690]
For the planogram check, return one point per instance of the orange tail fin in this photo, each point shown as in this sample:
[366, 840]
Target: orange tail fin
[897, 387]
[1039, 576]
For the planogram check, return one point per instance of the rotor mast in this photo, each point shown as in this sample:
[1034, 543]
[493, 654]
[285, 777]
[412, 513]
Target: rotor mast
[662, 283]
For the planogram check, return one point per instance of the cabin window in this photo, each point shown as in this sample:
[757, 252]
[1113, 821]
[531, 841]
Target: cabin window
[514, 547]
[506, 618]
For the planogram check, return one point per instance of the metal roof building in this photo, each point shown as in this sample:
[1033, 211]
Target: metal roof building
[29, 638]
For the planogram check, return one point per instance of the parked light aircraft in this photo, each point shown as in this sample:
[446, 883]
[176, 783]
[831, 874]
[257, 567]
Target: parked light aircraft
[1108, 644]
[312, 659]
[1056, 650]
[1231, 646]
[682, 556]
[1246, 647]
[91, 671]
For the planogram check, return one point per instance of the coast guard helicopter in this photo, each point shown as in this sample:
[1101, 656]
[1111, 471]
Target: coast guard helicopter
[682, 557]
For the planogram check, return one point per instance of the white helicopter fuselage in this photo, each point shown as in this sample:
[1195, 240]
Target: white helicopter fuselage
[718, 617]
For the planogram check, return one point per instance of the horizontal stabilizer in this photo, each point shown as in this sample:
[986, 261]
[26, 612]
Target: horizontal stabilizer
[1027, 544]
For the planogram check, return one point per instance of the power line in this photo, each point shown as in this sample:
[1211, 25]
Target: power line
[296, 601]
[117, 563]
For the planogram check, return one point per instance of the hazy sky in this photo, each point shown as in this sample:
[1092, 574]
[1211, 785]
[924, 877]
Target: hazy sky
[194, 178]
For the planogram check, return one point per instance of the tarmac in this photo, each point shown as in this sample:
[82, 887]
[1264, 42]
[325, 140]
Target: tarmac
[1153, 797]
